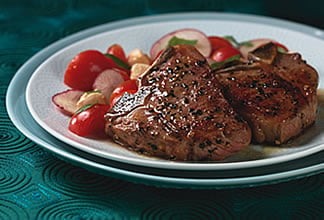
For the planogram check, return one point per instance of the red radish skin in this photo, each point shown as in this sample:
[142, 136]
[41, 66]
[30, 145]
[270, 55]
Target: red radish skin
[107, 81]
[124, 74]
[67, 100]
[203, 45]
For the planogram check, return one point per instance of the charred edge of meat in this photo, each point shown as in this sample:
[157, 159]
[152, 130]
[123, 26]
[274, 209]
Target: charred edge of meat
[266, 53]
[128, 102]
[167, 53]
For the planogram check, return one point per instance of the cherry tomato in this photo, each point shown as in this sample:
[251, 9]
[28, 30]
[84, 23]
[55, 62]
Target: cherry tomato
[83, 69]
[129, 86]
[116, 54]
[89, 122]
[224, 53]
[218, 42]
[117, 51]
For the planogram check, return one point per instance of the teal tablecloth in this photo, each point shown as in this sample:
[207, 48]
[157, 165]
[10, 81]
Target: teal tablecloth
[34, 184]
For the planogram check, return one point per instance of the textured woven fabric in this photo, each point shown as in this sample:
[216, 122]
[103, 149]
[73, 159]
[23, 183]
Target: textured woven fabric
[34, 184]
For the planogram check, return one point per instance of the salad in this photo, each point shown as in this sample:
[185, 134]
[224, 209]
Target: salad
[98, 79]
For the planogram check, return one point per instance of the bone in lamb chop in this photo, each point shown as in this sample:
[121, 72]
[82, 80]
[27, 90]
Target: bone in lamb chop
[274, 92]
[179, 112]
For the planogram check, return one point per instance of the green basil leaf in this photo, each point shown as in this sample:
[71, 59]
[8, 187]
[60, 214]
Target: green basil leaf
[176, 41]
[281, 50]
[83, 108]
[93, 91]
[246, 43]
[232, 40]
[230, 59]
[118, 61]
[238, 44]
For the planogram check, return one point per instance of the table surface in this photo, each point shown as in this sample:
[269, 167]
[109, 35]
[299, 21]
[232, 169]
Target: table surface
[40, 192]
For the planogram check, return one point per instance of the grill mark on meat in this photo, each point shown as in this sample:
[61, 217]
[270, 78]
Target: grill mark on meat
[180, 110]
[277, 97]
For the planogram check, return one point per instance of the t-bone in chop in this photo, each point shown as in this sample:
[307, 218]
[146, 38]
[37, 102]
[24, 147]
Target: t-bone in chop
[179, 112]
[274, 92]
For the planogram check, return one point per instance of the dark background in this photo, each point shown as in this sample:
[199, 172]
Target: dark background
[29, 26]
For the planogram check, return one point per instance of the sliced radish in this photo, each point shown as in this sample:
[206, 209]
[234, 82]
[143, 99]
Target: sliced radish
[67, 101]
[246, 48]
[210, 60]
[124, 74]
[107, 81]
[203, 45]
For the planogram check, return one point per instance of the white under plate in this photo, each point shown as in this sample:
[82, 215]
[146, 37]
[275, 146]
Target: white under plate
[47, 80]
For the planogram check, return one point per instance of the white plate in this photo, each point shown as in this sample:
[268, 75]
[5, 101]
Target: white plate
[141, 33]
[218, 179]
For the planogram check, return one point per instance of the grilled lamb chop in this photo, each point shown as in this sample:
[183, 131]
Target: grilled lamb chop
[274, 92]
[179, 112]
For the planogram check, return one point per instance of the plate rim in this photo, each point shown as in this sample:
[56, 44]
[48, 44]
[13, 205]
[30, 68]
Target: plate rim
[163, 181]
[171, 17]
[32, 63]
[158, 180]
